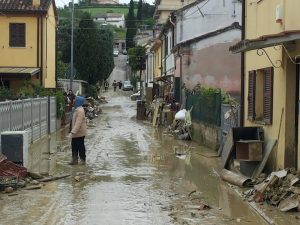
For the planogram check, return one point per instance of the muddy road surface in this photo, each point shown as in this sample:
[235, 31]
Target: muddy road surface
[133, 176]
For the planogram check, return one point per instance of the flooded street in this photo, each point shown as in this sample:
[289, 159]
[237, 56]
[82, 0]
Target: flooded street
[133, 176]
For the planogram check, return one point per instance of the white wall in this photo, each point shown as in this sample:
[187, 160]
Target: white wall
[149, 67]
[216, 14]
[170, 63]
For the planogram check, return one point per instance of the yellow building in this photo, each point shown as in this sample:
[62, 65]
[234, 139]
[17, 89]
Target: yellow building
[270, 82]
[156, 49]
[28, 42]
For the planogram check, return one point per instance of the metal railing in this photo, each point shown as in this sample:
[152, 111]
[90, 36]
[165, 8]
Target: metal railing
[230, 117]
[36, 115]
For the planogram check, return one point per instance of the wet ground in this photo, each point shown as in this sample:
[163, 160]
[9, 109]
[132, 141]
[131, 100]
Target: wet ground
[135, 175]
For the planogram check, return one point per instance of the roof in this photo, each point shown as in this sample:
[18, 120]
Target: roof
[155, 45]
[19, 70]
[233, 26]
[17, 6]
[189, 6]
[265, 41]
[109, 15]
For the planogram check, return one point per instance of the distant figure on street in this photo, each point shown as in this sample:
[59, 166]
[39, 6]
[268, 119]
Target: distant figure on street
[71, 97]
[120, 84]
[78, 132]
[106, 85]
[115, 85]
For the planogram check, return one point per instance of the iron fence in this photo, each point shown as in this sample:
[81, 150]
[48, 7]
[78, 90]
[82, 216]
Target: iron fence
[35, 115]
[206, 108]
[230, 117]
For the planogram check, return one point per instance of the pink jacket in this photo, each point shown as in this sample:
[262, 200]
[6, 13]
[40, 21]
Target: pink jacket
[78, 123]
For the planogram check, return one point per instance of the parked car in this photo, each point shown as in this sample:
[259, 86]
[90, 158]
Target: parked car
[116, 52]
[124, 52]
[135, 96]
[127, 86]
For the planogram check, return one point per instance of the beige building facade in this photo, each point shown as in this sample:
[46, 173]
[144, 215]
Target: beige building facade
[270, 80]
[28, 43]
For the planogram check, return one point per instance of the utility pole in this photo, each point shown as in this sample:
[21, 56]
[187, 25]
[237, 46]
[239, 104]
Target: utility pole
[72, 47]
[141, 62]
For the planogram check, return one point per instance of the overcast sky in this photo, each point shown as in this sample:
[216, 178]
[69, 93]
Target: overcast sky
[60, 3]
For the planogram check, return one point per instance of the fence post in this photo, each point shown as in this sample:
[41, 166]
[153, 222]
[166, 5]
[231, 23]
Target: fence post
[55, 106]
[49, 114]
[40, 112]
[31, 120]
[23, 114]
[10, 112]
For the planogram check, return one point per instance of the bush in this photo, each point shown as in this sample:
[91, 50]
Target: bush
[60, 104]
[33, 89]
[92, 91]
[6, 94]
[134, 80]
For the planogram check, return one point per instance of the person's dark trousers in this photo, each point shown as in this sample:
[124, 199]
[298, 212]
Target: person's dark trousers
[78, 148]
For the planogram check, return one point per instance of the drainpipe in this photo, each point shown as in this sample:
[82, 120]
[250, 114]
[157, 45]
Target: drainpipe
[166, 47]
[180, 74]
[147, 73]
[42, 51]
[243, 68]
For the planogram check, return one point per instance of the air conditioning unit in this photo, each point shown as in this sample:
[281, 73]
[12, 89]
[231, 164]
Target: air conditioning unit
[15, 146]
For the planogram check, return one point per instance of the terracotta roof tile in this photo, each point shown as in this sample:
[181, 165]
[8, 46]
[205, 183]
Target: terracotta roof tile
[15, 6]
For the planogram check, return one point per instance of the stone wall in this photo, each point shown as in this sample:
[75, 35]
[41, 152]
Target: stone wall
[206, 134]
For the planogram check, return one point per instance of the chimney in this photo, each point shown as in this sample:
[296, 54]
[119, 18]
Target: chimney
[36, 2]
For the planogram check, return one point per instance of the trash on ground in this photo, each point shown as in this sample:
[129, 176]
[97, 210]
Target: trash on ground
[204, 206]
[47, 179]
[8, 168]
[280, 189]
[33, 187]
[236, 179]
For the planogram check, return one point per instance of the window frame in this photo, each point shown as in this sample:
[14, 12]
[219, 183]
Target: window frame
[268, 95]
[17, 35]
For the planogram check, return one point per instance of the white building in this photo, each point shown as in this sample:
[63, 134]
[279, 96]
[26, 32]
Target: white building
[115, 19]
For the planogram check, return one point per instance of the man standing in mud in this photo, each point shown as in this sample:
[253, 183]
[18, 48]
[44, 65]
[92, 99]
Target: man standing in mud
[106, 84]
[115, 85]
[78, 132]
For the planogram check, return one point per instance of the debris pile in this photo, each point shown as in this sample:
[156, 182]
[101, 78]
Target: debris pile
[280, 189]
[182, 125]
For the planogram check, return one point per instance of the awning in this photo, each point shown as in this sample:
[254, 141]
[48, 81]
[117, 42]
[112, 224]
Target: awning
[164, 79]
[265, 41]
[29, 71]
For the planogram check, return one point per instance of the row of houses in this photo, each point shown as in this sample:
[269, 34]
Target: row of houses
[249, 48]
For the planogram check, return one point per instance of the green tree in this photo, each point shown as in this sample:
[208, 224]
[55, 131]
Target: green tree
[62, 68]
[86, 53]
[139, 14]
[134, 53]
[64, 32]
[105, 47]
[131, 26]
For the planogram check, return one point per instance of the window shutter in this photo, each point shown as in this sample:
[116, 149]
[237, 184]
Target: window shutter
[17, 35]
[268, 95]
[251, 94]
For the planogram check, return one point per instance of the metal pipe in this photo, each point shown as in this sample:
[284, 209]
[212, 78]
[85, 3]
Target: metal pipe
[243, 68]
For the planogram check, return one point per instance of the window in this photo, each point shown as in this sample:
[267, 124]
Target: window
[260, 95]
[17, 34]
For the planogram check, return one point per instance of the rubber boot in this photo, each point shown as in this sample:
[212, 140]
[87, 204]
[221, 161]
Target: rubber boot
[82, 162]
[74, 161]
